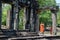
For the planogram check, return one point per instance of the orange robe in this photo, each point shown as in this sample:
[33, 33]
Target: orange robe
[42, 28]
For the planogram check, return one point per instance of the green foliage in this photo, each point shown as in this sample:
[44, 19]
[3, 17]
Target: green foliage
[58, 17]
[43, 3]
[21, 19]
[5, 7]
[45, 17]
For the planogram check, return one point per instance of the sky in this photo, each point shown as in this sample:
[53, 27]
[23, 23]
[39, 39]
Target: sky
[57, 1]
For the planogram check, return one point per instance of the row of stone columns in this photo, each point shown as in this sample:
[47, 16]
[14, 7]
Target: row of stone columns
[0, 13]
[32, 17]
[12, 21]
[13, 17]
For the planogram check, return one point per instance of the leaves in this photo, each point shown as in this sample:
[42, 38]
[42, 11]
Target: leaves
[43, 3]
[45, 15]
[5, 7]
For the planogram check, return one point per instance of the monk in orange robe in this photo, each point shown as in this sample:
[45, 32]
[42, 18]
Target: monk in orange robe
[42, 28]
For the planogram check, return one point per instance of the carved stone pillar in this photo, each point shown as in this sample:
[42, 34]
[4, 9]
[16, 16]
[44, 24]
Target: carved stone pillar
[54, 19]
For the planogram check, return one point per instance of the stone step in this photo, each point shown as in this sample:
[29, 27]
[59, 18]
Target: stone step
[17, 33]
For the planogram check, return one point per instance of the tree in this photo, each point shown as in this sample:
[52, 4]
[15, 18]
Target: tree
[46, 2]
[45, 15]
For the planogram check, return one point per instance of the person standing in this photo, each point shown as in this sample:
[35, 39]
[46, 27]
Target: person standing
[42, 28]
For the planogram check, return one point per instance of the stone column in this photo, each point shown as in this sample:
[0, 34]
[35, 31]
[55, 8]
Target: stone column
[54, 19]
[8, 19]
[28, 11]
[0, 13]
[24, 18]
[12, 17]
[15, 12]
[32, 21]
